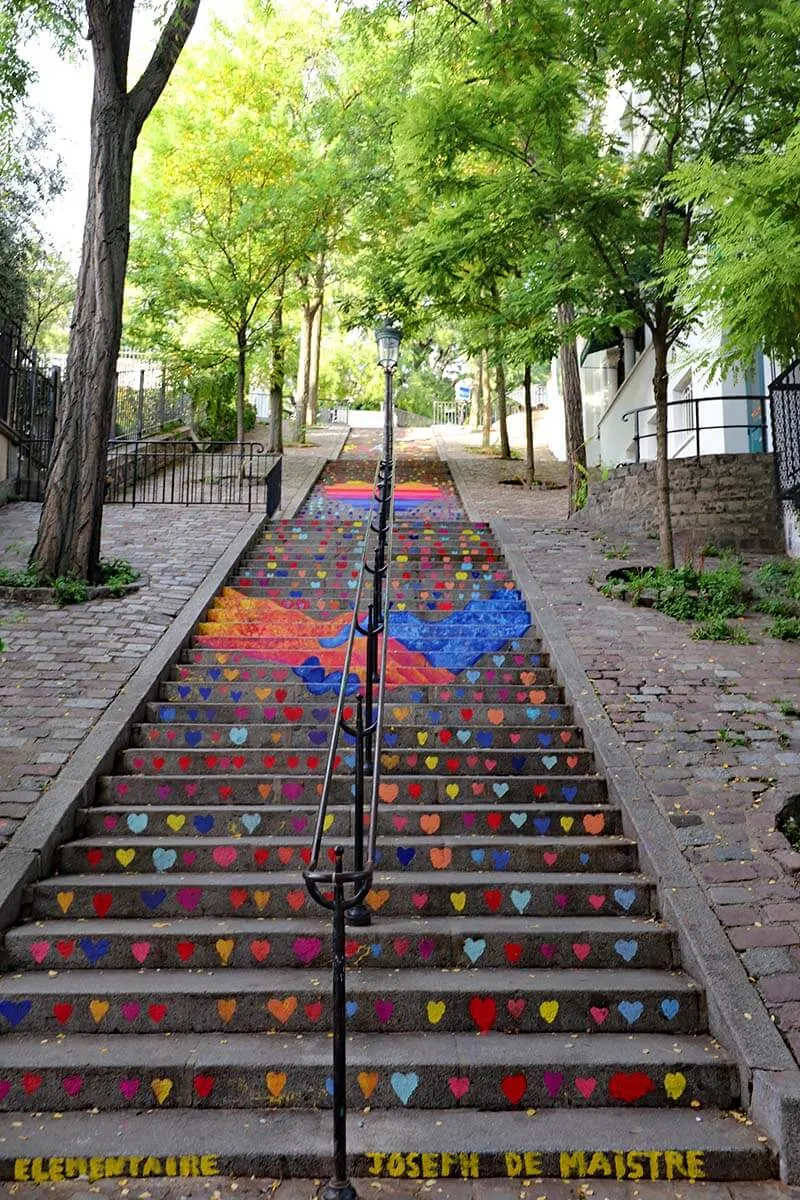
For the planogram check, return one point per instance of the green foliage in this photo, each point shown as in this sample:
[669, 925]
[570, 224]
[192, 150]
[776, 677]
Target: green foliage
[684, 592]
[776, 586]
[69, 590]
[717, 629]
[785, 628]
[116, 574]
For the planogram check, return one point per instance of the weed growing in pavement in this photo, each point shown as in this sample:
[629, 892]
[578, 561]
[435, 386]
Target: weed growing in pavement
[786, 707]
[717, 629]
[785, 628]
[115, 574]
[732, 739]
[613, 551]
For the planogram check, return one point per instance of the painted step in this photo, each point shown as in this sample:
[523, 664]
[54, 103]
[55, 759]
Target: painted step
[170, 732]
[274, 1000]
[419, 1070]
[135, 854]
[454, 762]
[339, 602]
[280, 894]
[665, 1145]
[298, 789]
[468, 626]
[193, 943]
[421, 716]
[198, 685]
[273, 821]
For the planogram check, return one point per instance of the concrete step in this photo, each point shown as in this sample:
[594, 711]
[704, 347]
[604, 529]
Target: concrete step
[414, 716]
[213, 821]
[176, 854]
[401, 592]
[162, 788]
[209, 736]
[193, 943]
[271, 1000]
[454, 763]
[444, 893]
[601, 1145]
[418, 1070]
[279, 685]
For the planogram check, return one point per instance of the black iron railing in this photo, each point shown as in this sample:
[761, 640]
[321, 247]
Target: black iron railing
[785, 404]
[343, 890]
[755, 425]
[144, 472]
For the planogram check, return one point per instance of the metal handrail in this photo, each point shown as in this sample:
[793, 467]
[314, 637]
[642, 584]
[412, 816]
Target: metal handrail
[696, 429]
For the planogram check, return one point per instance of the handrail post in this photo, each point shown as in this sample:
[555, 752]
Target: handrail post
[636, 437]
[697, 426]
[359, 913]
[340, 1187]
[371, 671]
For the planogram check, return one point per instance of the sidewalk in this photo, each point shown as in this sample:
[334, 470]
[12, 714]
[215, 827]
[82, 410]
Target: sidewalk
[62, 667]
[682, 708]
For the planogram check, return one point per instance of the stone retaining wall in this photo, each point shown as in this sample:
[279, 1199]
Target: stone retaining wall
[725, 499]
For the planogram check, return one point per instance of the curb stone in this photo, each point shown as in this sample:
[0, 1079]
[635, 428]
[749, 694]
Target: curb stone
[29, 856]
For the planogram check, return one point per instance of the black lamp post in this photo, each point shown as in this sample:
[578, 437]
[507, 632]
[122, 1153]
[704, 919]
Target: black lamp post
[388, 337]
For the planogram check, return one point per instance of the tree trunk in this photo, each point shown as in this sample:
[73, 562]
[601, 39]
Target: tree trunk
[660, 386]
[573, 403]
[303, 373]
[241, 380]
[530, 473]
[277, 376]
[476, 397]
[487, 400]
[313, 365]
[502, 410]
[68, 539]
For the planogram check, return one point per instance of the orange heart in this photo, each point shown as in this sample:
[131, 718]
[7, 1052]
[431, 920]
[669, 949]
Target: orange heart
[367, 1081]
[430, 822]
[226, 1009]
[261, 898]
[388, 792]
[441, 857]
[282, 1009]
[496, 715]
[265, 790]
[594, 823]
[276, 1082]
[377, 900]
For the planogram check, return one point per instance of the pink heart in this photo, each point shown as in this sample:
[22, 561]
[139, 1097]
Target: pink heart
[171, 735]
[5, 1088]
[130, 1010]
[514, 738]
[138, 763]
[291, 790]
[550, 858]
[39, 951]
[224, 856]
[468, 819]
[419, 900]
[110, 822]
[140, 951]
[597, 901]
[598, 1015]
[129, 1087]
[547, 949]
[561, 900]
[384, 1010]
[459, 1086]
[122, 789]
[585, 1086]
[299, 824]
[306, 949]
[399, 822]
[426, 948]
[188, 857]
[581, 950]
[516, 1008]
[190, 789]
[189, 898]
[72, 1084]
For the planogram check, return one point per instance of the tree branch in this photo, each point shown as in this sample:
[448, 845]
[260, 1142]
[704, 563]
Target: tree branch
[155, 75]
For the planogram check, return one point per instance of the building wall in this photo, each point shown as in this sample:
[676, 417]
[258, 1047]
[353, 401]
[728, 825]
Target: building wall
[726, 499]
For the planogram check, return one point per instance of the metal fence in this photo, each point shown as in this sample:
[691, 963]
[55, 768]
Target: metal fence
[230, 473]
[29, 395]
[144, 404]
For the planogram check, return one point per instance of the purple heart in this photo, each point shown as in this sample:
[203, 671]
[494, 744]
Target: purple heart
[164, 791]
[547, 949]
[469, 819]
[384, 1010]
[130, 1010]
[292, 790]
[553, 1081]
[306, 949]
[320, 714]
[426, 947]
[318, 737]
[299, 824]
[189, 898]
[129, 1087]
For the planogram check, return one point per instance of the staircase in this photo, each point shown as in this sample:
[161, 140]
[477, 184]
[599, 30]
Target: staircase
[516, 1007]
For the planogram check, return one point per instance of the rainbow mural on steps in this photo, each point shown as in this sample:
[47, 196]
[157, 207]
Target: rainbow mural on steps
[359, 494]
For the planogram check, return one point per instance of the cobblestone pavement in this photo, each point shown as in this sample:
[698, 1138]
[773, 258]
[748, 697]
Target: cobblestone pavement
[701, 721]
[62, 667]
[485, 1189]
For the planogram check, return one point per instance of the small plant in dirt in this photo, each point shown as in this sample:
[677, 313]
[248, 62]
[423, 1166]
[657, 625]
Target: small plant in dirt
[717, 629]
[622, 551]
[730, 738]
[787, 629]
[115, 574]
[685, 593]
[786, 707]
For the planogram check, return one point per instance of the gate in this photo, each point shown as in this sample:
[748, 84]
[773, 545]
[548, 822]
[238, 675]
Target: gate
[785, 403]
[28, 399]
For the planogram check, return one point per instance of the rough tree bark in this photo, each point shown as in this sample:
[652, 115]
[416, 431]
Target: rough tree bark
[660, 392]
[277, 374]
[530, 470]
[486, 387]
[241, 379]
[573, 401]
[502, 410]
[68, 540]
[476, 396]
[313, 367]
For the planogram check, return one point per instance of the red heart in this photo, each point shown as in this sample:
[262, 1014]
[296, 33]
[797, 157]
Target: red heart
[280, 695]
[158, 762]
[401, 946]
[62, 1012]
[101, 903]
[351, 948]
[226, 792]
[483, 1011]
[31, 1083]
[415, 790]
[630, 1086]
[466, 713]
[260, 948]
[269, 761]
[292, 761]
[238, 761]
[260, 856]
[203, 1085]
[540, 790]
[445, 736]
[494, 819]
[93, 857]
[513, 1087]
[293, 714]
[513, 952]
[65, 948]
[184, 761]
[185, 950]
[493, 898]
[516, 1008]
[238, 896]
[305, 854]
[157, 1012]
[314, 1010]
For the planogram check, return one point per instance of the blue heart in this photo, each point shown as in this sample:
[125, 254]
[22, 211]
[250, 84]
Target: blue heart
[94, 948]
[631, 1010]
[152, 900]
[203, 824]
[499, 789]
[474, 948]
[166, 714]
[193, 737]
[404, 1085]
[238, 735]
[518, 762]
[214, 673]
[236, 696]
[15, 1011]
[540, 824]
[318, 737]
[251, 821]
[477, 856]
[521, 899]
[569, 793]
[533, 714]
[625, 897]
[498, 659]
[329, 1085]
[391, 739]
[669, 1008]
[405, 854]
[627, 948]
[554, 714]
[376, 949]
[351, 1008]
[137, 822]
[434, 718]
[545, 739]
[484, 738]
[473, 676]
[320, 714]
[193, 714]
[583, 859]
[205, 692]
[501, 859]
[184, 692]
[163, 858]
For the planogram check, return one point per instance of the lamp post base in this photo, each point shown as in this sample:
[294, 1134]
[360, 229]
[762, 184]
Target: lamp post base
[360, 915]
[338, 1191]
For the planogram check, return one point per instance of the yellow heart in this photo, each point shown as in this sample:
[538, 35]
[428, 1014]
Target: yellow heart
[176, 821]
[276, 1082]
[548, 1010]
[221, 658]
[226, 1009]
[367, 1081]
[436, 1010]
[65, 900]
[452, 790]
[263, 693]
[458, 900]
[329, 819]
[432, 762]
[402, 558]
[98, 1009]
[224, 948]
[389, 761]
[377, 900]
[675, 1084]
[125, 857]
[400, 607]
[231, 675]
[261, 898]
[422, 737]
[161, 1088]
[271, 565]
[567, 823]
[461, 574]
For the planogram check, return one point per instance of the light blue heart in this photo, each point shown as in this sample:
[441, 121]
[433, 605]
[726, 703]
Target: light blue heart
[533, 714]
[251, 821]
[329, 1085]
[583, 859]
[404, 1085]
[518, 820]
[473, 676]
[631, 1010]
[669, 1008]
[163, 858]
[520, 898]
[464, 735]
[351, 1008]
[477, 856]
[474, 948]
[549, 761]
[627, 949]
[166, 714]
[625, 897]
[238, 735]
[137, 822]
[499, 789]
[498, 659]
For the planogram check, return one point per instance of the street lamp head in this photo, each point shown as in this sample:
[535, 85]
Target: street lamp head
[388, 338]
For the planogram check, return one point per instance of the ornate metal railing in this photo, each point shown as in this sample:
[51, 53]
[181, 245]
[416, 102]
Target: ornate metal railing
[755, 425]
[343, 890]
[228, 473]
[784, 395]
